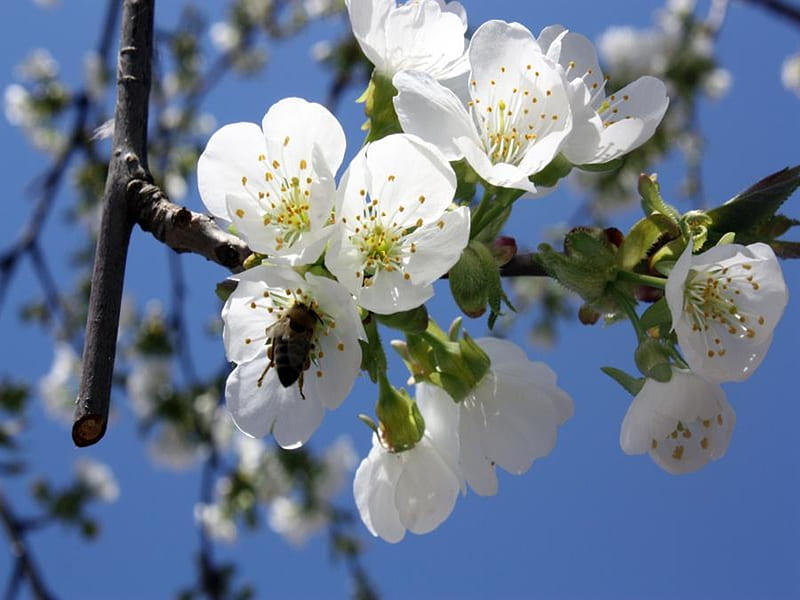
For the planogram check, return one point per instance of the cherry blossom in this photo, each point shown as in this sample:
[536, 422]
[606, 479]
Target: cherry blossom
[275, 183]
[516, 116]
[511, 418]
[424, 35]
[396, 235]
[603, 127]
[725, 304]
[414, 490]
[684, 423]
[257, 399]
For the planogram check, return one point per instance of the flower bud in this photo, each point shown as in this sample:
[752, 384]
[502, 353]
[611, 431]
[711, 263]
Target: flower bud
[401, 423]
[504, 249]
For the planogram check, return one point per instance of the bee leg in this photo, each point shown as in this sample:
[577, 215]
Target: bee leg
[300, 383]
[271, 363]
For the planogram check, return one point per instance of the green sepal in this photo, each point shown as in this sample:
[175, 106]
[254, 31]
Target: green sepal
[379, 107]
[466, 179]
[751, 214]
[643, 236]
[556, 169]
[653, 360]
[631, 384]
[652, 202]
[586, 267]
[224, 289]
[253, 260]
[401, 423]
[373, 358]
[656, 315]
[407, 321]
[471, 278]
[695, 223]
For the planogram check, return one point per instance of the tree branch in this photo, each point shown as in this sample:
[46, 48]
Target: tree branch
[783, 9]
[25, 563]
[128, 156]
[184, 230]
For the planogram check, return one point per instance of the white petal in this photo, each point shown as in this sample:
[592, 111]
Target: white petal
[243, 323]
[636, 120]
[476, 468]
[438, 248]
[374, 490]
[390, 293]
[368, 19]
[441, 416]
[406, 172]
[431, 111]
[297, 127]
[231, 154]
[499, 45]
[426, 490]
[332, 379]
[270, 407]
[420, 36]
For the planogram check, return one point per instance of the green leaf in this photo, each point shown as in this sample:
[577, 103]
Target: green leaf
[408, 321]
[631, 384]
[750, 214]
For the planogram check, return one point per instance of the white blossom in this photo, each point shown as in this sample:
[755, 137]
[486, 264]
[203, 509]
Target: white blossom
[259, 403]
[415, 489]
[790, 73]
[725, 304]
[511, 418]
[423, 35]
[170, 447]
[216, 523]
[603, 127]
[513, 121]
[97, 478]
[224, 36]
[59, 388]
[395, 233]
[684, 423]
[149, 382]
[294, 521]
[17, 105]
[275, 183]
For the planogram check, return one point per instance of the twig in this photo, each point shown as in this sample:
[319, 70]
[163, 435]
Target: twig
[784, 9]
[129, 156]
[184, 230]
[25, 561]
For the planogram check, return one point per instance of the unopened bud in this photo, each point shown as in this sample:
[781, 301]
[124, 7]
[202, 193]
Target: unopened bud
[504, 249]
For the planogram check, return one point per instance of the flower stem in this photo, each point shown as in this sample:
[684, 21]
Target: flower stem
[627, 307]
[648, 280]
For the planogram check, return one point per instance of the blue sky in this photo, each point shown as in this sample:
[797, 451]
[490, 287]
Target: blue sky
[585, 522]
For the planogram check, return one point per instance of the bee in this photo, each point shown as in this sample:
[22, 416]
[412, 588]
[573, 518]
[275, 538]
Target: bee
[290, 344]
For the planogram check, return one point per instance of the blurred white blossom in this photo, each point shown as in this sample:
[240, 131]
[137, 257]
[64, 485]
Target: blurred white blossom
[97, 478]
[224, 36]
[217, 524]
[59, 387]
[790, 73]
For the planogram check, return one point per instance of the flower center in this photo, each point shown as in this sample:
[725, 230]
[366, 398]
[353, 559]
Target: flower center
[691, 441]
[712, 299]
[283, 196]
[510, 113]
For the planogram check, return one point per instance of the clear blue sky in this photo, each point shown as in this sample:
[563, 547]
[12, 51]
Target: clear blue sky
[585, 522]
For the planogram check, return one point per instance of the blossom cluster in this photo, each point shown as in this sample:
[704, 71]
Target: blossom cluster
[333, 256]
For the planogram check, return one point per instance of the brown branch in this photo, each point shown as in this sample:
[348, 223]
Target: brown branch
[25, 562]
[184, 230]
[523, 265]
[783, 9]
[129, 153]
